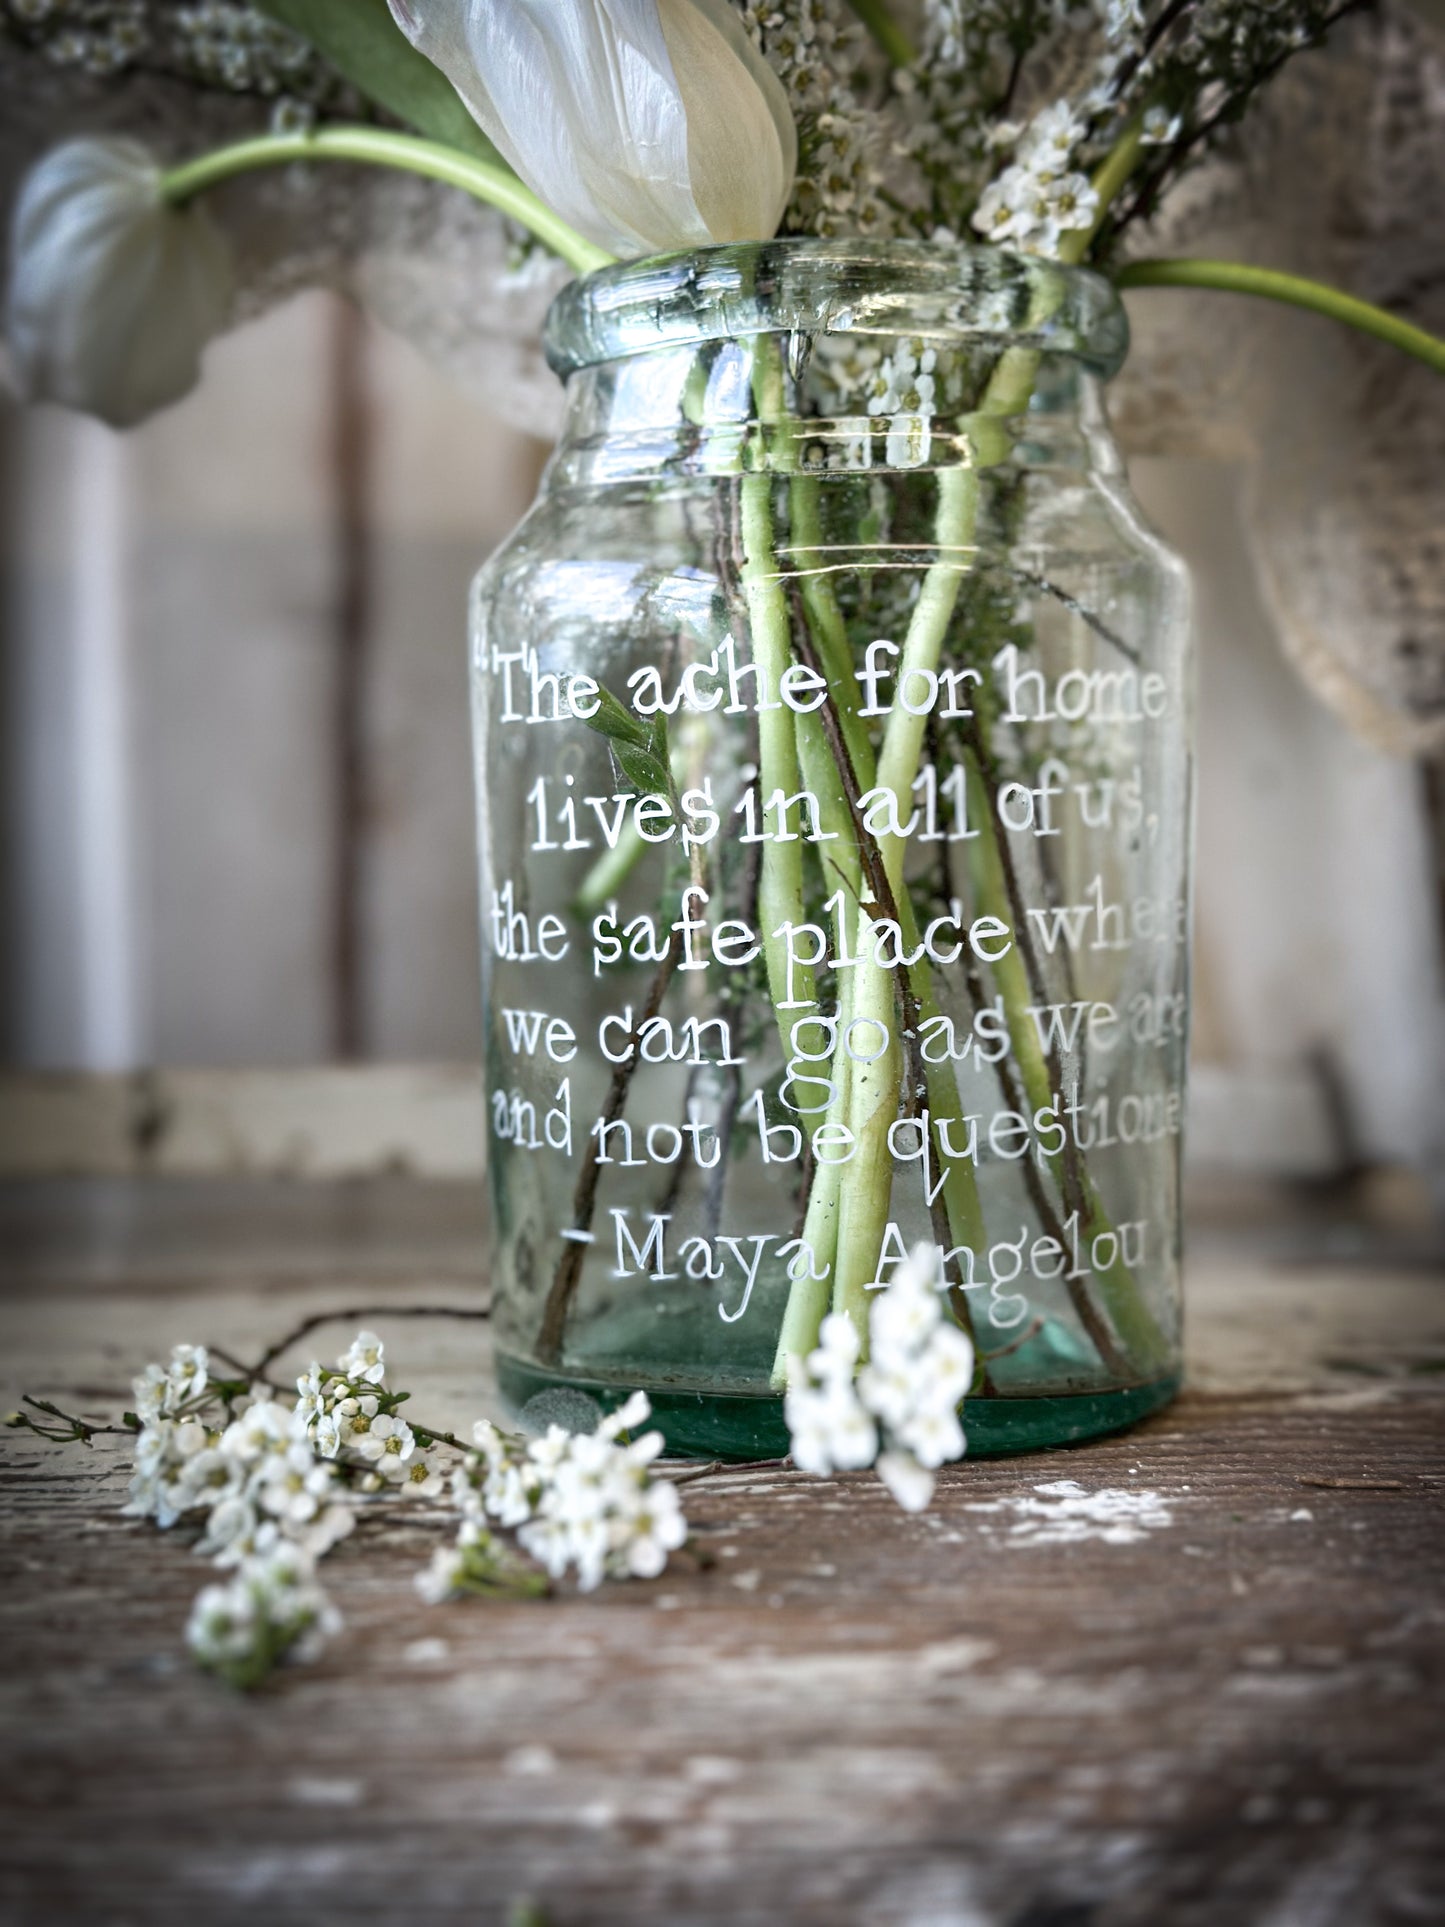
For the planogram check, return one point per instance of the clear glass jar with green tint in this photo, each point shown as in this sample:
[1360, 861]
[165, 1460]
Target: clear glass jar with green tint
[833, 719]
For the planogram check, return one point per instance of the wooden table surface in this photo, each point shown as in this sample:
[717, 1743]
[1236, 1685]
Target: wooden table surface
[964, 1719]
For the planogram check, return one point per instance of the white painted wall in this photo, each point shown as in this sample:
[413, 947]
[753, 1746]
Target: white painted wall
[1316, 934]
[71, 969]
[168, 668]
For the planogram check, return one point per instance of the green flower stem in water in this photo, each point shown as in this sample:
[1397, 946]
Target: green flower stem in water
[1143, 1341]
[615, 866]
[956, 520]
[876, 1088]
[379, 147]
[780, 884]
[810, 1295]
[1009, 972]
[610, 871]
[825, 618]
[834, 1224]
[867, 1189]
[866, 1198]
[848, 886]
[844, 871]
[1008, 393]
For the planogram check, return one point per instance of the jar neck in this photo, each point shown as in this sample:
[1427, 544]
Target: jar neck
[812, 354]
[887, 405]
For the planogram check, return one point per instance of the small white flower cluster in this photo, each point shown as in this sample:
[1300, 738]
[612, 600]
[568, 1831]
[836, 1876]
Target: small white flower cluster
[1040, 196]
[904, 394]
[215, 44]
[165, 1391]
[349, 1415]
[272, 1609]
[172, 1438]
[267, 1482]
[904, 391]
[237, 48]
[269, 1504]
[1083, 70]
[577, 1500]
[262, 1483]
[268, 1479]
[817, 49]
[898, 1414]
[100, 37]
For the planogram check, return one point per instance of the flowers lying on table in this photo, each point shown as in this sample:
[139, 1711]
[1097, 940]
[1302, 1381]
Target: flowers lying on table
[275, 1483]
[582, 1500]
[272, 1609]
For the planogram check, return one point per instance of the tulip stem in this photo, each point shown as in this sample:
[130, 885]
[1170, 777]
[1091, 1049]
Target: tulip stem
[1237, 277]
[780, 889]
[378, 147]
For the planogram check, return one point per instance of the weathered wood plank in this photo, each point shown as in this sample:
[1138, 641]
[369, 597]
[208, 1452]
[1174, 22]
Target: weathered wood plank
[847, 1715]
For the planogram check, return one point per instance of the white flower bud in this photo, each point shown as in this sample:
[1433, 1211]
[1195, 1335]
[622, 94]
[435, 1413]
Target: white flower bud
[910, 1483]
[113, 291]
[646, 124]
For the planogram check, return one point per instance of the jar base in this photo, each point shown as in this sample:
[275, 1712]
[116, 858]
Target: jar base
[744, 1426]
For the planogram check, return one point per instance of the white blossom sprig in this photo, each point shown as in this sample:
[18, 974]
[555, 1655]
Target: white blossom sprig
[480, 1564]
[578, 1501]
[352, 1419]
[1041, 195]
[274, 1483]
[899, 1413]
[271, 1610]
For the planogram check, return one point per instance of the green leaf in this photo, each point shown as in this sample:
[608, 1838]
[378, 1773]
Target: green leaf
[364, 44]
[639, 748]
[642, 770]
[617, 723]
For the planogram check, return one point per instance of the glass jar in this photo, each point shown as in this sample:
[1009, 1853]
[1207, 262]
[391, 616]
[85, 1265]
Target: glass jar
[832, 715]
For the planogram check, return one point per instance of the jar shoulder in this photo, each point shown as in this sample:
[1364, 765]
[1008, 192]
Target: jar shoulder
[600, 552]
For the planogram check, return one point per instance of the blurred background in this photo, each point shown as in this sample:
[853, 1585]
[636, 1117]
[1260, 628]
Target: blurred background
[237, 786]
[237, 884]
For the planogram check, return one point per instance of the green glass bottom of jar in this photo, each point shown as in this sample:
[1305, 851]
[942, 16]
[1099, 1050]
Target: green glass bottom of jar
[732, 1425]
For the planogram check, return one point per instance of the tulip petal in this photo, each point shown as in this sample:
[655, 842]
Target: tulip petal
[580, 97]
[113, 293]
[646, 124]
[742, 145]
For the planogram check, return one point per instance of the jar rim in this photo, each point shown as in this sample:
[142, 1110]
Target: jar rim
[957, 293]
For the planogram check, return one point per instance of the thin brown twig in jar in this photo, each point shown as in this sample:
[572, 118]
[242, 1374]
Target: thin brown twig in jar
[568, 1274]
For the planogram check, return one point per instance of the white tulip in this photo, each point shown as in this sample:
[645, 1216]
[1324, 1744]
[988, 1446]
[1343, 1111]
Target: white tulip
[646, 124]
[114, 292]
